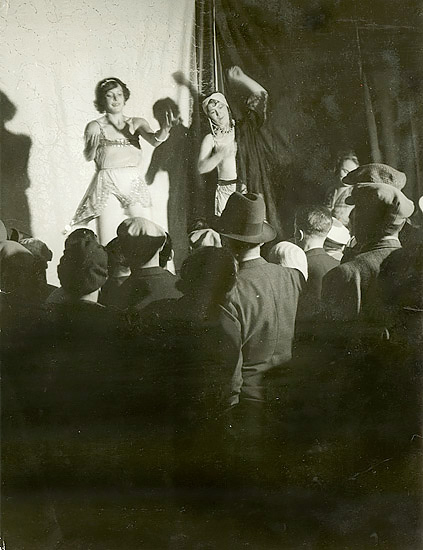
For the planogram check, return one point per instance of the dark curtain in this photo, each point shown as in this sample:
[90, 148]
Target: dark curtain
[340, 76]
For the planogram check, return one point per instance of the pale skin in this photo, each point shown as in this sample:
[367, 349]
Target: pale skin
[210, 157]
[118, 127]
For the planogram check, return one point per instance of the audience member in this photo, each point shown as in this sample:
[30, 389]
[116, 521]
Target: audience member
[194, 349]
[336, 198]
[312, 225]
[204, 237]
[82, 271]
[141, 241]
[42, 255]
[19, 274]
[288, 254]
[118, 272]
[337, 239]
[411, 235]
[370, 173]
[379, 214]
[81, 234]
[265, 296]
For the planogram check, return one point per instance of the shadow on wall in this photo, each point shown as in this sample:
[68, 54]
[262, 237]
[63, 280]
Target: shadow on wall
[14, 156]
[176, 157]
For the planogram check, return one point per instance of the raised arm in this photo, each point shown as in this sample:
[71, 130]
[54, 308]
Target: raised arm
[143, 128]
[182, 80]
[237, 75]
[92, 137]
[255, 106]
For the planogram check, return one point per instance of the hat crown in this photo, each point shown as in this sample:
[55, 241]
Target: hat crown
[244, 209]
[140, 227]
[376, 173]
[244, 219]
[364, 195]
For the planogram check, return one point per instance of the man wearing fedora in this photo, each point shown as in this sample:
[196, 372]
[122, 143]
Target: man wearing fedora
[349, 291]
[265, 296]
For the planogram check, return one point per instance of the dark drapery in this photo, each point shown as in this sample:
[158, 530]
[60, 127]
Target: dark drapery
[340, 75]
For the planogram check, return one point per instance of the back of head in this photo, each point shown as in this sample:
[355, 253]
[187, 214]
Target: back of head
[380, 210]
[208, 272]
[288, 254]
[140, 240]
[198, 223]
[81, 234]
[39, 250]
[115, 257]
[19, 271]
[204, 237]
[313, 221]
[83, 268]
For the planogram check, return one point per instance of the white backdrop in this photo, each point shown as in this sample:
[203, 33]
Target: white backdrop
[53, 53]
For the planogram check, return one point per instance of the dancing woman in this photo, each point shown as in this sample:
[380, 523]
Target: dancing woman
[113, 142]
[238, 149]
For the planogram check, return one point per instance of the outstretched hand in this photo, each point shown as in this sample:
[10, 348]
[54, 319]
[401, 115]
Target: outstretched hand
[235, 73]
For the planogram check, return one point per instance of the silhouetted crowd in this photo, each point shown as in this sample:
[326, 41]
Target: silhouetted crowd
[292, 368]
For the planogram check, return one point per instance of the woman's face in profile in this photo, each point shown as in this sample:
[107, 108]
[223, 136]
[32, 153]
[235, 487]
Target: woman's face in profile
[114, 99]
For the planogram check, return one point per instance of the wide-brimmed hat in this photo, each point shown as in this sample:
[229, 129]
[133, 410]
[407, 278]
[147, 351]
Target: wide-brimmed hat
[243, 219]
[376, 173]
[367, 196]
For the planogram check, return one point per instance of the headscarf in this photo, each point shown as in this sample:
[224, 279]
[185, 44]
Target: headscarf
[216, 96]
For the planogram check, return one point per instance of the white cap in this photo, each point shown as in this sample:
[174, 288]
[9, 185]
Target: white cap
[338, 232]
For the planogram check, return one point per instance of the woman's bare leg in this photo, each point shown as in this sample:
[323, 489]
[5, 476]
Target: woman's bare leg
[108, 221]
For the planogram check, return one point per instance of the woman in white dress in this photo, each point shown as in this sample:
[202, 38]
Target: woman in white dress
[118, 188]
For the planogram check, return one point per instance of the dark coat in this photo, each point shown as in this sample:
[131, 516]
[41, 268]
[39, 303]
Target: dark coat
[264, 300]
[319, 263]
[348, 291]
[145, 286]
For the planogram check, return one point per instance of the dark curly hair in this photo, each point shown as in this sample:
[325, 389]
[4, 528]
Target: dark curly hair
[103, 87]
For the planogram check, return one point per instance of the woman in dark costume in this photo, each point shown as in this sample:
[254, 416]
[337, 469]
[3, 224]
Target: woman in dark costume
[238, 149]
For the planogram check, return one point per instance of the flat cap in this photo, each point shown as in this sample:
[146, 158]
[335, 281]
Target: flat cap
[376, 173]
[369, 195]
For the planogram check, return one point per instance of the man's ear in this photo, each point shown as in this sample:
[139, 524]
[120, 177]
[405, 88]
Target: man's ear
[298, 235]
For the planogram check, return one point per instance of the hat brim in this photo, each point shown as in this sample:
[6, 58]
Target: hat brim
[267, 234]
